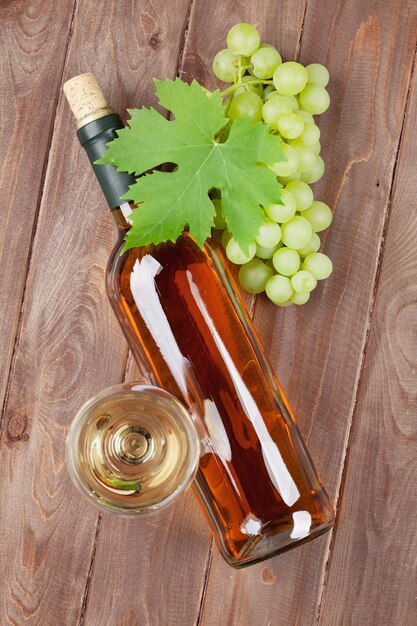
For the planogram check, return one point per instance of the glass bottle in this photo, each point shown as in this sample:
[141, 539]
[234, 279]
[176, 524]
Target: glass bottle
[181, 313]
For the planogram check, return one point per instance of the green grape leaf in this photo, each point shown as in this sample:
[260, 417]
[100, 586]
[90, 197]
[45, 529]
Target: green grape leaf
[170, 201]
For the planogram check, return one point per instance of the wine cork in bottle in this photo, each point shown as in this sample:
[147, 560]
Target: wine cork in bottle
[86, 99]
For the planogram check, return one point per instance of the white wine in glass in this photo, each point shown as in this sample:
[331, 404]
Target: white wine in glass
[132, 449]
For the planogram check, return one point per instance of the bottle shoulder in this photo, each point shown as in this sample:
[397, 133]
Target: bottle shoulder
[180, 256]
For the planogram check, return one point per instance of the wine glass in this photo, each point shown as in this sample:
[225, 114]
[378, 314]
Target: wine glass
[132, 449]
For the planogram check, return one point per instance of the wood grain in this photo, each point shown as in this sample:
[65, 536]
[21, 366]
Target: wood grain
[317, 349]
[60, 562]
[68, 328]
[33, 38]
[374, 561]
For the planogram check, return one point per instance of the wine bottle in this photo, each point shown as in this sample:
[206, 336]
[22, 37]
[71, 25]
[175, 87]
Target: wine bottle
[181, 313]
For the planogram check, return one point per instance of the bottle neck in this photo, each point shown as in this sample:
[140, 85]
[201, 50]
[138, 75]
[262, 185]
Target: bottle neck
[121, 216]
[94, 137]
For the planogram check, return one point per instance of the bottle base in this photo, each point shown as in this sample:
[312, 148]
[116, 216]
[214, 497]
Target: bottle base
[268, 544]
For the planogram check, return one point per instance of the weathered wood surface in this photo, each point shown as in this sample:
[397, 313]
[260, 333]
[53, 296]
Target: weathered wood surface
[317, 350]
[373, 568]
[33, 44]
[62, 563]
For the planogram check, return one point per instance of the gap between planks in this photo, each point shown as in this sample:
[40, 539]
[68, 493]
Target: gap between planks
[344, 463]
[35, 227]
[90, 572]
[207, 571]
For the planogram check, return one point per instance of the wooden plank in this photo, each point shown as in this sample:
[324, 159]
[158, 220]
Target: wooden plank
[317, 349]
[70, 344]
[33, 38]
[373, 565]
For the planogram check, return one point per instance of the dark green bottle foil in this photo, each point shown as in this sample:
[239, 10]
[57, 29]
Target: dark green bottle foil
[94, 138]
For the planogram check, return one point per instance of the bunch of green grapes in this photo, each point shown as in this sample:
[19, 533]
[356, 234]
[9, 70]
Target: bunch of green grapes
[284, 259]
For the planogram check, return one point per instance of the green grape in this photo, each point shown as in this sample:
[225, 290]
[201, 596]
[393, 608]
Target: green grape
[319, 215]
[314, 98]
[296, 233]
[282, 305]
[279, 289]
[284, 211]
[246, 105]
[250, 68]
[254, 275]
[264, 252]
[303, 281]
[290, 125]
[291, 100]
[302, 194]
[225, 66]
[316, 172]
[286, 261]
[318, 74]
[243, 39]
[310, 135]
[284, 180]
[316, 147]
[271, 92]
[235, 253]
[290, 78]
[290, 164]
[294, 104]
[318, 264]
[226, 237]
[269, 89]
[219, 221]
[274, 108]
[269, 234]
[265, 61]
[312, 246]
[307, 157]
[258, 89]
[300, 297]
[306, 116]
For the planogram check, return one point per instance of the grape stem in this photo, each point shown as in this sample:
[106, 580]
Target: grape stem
[228, 103]
[232, 88]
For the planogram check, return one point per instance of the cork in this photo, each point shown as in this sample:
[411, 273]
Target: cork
[86, 100]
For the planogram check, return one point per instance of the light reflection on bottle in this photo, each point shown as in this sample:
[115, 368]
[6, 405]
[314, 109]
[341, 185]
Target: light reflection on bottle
[144, 291]
[217, 432]
[278, 471]
[302, 524]
[143, 288]
[252, 526]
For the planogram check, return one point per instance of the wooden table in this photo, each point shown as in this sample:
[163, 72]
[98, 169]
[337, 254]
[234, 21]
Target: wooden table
[348, 359]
